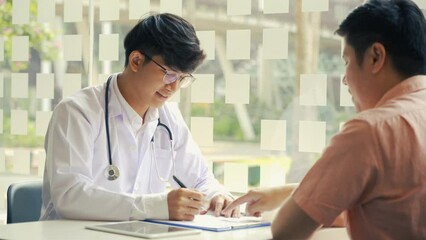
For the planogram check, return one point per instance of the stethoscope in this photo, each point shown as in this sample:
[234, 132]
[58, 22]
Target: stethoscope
[112, 171]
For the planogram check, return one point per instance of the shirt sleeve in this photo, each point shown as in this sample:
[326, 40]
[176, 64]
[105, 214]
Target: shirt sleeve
[345, 172]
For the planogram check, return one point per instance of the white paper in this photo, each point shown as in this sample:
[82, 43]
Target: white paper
[202, 89]
[238, 7]
[275, 43]
[21, 161]
[138, 8]
[42, 122]
[45, 11]
[315, 5]
[171, 6]
[45, 85]
[313, 90]
[20, 48]
[273, 135]
[238, 44]
[207, 43]
[73, 10]
[202, 130]
[108, 47]
[72, 47]
[19, 82]
[275, 6]
[20, 11]
[109, 10]
[238, 89]
[311, 136]
[18, 122]
[71, 84]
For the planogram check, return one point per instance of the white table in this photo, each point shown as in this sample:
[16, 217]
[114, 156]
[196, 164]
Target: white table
[67, 229]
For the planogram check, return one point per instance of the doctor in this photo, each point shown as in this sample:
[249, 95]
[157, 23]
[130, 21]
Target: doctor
[111, 150]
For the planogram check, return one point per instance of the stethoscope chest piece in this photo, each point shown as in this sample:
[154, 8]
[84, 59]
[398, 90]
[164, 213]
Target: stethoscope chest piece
[112, 172]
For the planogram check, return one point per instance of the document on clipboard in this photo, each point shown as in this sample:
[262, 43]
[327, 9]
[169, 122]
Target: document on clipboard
[216, 224]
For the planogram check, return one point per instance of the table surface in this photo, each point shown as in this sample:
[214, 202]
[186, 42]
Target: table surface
[68, 229]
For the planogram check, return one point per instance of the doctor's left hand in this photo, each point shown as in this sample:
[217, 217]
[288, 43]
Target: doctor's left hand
[220, 202]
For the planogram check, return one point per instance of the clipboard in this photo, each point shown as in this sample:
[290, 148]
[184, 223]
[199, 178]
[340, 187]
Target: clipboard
[216, 224]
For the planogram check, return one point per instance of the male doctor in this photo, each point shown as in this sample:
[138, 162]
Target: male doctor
[112, 149]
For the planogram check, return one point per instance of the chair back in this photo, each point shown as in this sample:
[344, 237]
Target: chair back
[24, 201]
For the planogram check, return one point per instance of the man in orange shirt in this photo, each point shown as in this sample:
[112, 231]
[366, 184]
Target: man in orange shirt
[374, 170]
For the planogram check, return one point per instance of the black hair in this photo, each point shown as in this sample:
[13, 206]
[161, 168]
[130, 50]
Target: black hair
[397, 24]
[167, 35]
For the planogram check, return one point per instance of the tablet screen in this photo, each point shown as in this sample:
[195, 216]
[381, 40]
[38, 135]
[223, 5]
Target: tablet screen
[143, 229]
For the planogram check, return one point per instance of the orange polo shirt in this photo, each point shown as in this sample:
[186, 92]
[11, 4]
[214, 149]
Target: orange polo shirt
[375, 169]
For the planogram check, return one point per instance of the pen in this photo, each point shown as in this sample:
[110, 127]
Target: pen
[179, 182]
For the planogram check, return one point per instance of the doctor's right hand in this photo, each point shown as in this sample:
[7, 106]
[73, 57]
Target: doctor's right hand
[184, 204]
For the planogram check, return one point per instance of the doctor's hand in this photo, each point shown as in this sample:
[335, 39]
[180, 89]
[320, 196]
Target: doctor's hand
[261, 200]
[219, 202]
[184, 204]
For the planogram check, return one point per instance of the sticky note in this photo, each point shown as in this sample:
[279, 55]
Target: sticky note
[109, 10]
[1, 85]
[313, 90]
[273, 135]
[235, 177]
[311, 136]
[421, 3]
[20, 48]
[202, 89]
[275, 43]
[19, 82]
[272, 175]
[45, 11]
[207, 43]
[71, 84]
[72, 47]
[314, 5]
[102, 78]
[108, 47]
[73, 10]
[20, 11]
[275, 6]
[138, 8]
[238, 44]
[238, 7]
[237, 89]
[1, 49]
[345, 96]
[42, 121]
[171, 6]
[202, 130]
[21, 161]
[18, 122]
[45, 86]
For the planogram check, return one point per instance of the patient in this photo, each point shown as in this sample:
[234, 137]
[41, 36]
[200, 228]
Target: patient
[375, 168]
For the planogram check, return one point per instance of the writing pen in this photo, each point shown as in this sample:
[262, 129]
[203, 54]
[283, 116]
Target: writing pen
[179, 182]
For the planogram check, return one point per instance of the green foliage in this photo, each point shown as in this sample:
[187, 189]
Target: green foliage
[41, 38]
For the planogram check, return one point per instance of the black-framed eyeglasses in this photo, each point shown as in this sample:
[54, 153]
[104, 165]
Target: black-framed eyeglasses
[171, 76]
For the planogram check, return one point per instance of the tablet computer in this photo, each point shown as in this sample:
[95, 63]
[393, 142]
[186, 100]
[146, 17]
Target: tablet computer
[143, 229]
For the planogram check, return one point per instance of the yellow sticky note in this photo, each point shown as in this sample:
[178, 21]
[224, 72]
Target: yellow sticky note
[109, 10]
[238, 89]
[45, 87]
[20, 48]
[18, 122]
[73, 10]
[72, 47]
[138, 8]
[275, 6]
[313, 90]
[20, 11]
[42, 121]
[202, 130]
[311, 136]
[315, 5]
[171, 6]
[71, 84]
[238, 7]
[202, 90]
[1, 85]
[273, 135]
[235, 177]
[108, 47]
[45, 11]
[19, 82]
[238, 44]
[207, 43]
[21, 161]
[275, 43]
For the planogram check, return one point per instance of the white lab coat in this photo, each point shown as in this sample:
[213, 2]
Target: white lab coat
[75, 182]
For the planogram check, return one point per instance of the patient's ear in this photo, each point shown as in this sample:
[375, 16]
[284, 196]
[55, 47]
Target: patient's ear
[378, 55]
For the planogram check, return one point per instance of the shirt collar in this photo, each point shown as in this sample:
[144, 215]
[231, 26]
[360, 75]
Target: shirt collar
[411, 84]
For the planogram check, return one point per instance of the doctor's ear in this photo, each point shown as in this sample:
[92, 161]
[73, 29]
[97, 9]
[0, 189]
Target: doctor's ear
[135, 59]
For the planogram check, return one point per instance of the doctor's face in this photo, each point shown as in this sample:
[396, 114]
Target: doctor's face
[151, 84]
